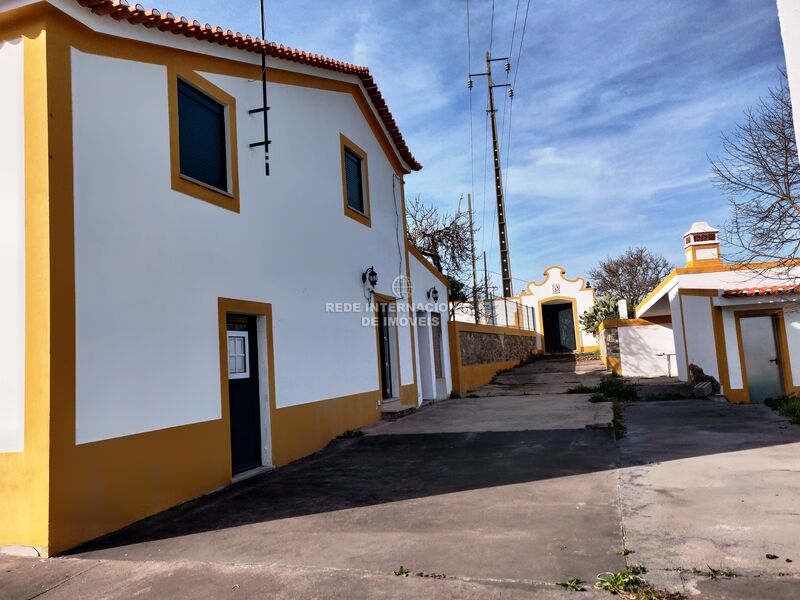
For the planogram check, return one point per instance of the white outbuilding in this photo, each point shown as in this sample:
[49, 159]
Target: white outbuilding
[740, 323]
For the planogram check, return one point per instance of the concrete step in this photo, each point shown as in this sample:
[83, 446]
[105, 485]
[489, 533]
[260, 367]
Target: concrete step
[392, 409]
[667, 390]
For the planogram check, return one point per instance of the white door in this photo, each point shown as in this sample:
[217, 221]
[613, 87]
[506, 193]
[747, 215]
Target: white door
[761, 359]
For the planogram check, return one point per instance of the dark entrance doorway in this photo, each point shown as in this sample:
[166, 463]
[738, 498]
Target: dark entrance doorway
[385, 349]
[243, 392]
[558, 324]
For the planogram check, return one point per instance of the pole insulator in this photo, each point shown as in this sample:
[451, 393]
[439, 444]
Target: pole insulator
[469, 83]
[508, 66]
[510, 93]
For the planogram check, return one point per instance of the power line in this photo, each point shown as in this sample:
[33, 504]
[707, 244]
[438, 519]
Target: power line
[471, 112]
[522, 42]
[516, 74]
[510, 54]
[491, 30]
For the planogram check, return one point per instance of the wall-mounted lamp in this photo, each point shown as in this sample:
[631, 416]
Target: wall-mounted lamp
[370, 278]
[433, 294]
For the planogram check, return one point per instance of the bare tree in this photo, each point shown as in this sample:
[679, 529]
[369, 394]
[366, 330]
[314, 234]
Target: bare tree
[759, 172]
[631, 275]
[444, 238]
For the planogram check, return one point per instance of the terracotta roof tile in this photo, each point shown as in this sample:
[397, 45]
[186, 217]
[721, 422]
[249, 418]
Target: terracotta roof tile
[770, 290]
[153, 18]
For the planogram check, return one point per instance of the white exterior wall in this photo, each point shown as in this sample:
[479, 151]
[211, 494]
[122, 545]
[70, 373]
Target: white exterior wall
[151, 263]
[789, 14]
[639, 349]
[12, 249]
[699, 331]
[677, 333]
[423, 280]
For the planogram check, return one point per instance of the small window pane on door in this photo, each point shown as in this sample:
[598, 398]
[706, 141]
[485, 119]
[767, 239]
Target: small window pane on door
[238, 355]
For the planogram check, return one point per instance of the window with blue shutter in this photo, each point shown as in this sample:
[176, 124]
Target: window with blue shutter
[354, 181]
[203, 144]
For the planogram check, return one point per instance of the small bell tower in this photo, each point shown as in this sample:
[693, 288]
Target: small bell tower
[701, 244]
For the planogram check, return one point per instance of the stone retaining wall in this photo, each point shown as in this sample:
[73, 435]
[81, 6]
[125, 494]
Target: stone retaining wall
[479, 352]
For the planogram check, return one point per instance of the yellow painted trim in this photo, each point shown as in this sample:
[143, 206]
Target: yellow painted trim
[611, 323]
[712, 293]
[472, 377]
[228, 199]
[365, 217]
[733, 267]
[574, 302]
[24, 476]
[720, 347]
[411, 249]
[614, 364]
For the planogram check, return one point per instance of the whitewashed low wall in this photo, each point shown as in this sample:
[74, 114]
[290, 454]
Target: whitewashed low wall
[645, 349]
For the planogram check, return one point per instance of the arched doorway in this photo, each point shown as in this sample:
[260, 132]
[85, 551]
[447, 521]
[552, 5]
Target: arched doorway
[559, 325]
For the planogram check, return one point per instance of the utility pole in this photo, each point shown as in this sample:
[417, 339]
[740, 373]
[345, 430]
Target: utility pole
[505, 260]
[472, 254]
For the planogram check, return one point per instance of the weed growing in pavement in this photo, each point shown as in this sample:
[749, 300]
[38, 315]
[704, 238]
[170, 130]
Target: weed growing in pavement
[402, 572]
[625, 551]
[788, 406]
[631, 584]
[597, 398]
[618, 422]
[615, 387]
[582, 389]
[573, 584]
[612, 387]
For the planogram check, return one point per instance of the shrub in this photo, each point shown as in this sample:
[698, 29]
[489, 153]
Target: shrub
[605, 308]
[615, 387]
[788, 406]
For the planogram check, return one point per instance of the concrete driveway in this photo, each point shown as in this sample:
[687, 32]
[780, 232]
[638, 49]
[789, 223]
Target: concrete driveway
[505, 492]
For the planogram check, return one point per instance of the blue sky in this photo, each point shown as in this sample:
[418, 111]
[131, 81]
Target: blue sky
[617, 104]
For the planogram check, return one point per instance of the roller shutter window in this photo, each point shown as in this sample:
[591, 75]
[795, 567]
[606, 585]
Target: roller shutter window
[202, 134]
[355, 184]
